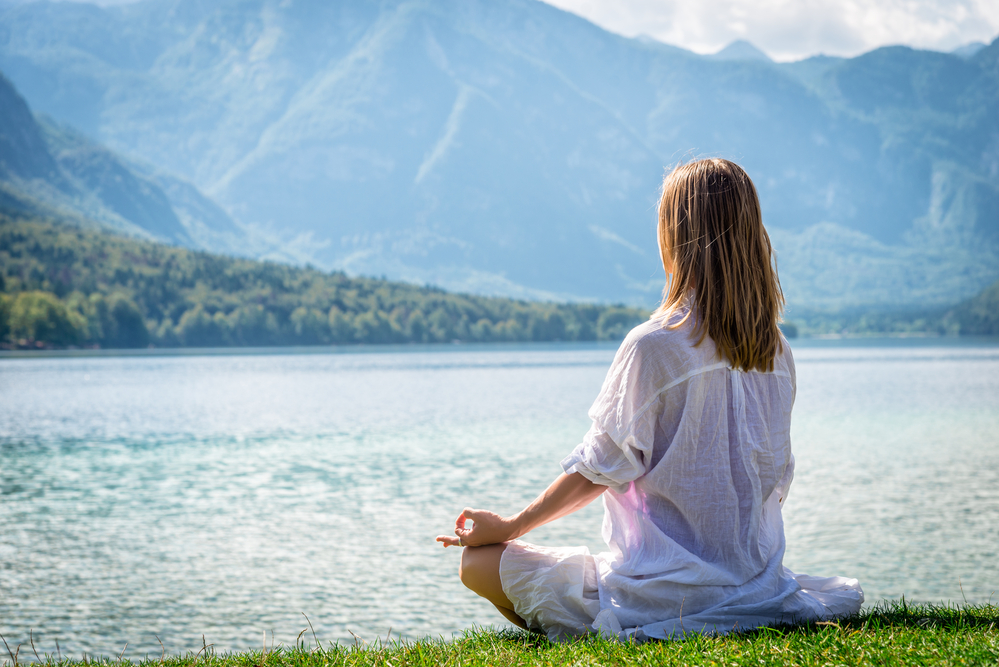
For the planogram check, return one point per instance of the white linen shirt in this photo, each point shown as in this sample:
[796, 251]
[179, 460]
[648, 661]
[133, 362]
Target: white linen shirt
[698, 460]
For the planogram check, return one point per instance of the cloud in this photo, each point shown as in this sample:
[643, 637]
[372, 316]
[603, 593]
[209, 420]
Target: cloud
[795, 29]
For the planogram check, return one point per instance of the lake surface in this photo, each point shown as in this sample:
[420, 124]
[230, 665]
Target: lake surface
[225, 495]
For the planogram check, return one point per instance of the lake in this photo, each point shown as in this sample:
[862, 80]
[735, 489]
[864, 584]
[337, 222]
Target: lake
[222, 496]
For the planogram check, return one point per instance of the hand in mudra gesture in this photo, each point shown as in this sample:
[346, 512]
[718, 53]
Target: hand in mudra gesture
[487, 528]
[565, 495]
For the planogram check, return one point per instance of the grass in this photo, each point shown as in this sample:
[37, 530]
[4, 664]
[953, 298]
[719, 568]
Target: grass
[894, 633]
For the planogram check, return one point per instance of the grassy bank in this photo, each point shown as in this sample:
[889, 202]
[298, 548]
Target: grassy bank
[890, 634]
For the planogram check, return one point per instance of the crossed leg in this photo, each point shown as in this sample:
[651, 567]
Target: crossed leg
[479, 571]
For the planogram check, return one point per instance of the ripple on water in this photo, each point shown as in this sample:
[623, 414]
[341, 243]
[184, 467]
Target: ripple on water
[225, 496]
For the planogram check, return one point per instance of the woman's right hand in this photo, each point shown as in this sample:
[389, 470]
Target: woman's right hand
[487, 528]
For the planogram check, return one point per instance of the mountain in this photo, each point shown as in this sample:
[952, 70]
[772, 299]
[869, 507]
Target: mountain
[969, 49]
[507, 147]
[50, 169]
[23, 153]
[740, 49]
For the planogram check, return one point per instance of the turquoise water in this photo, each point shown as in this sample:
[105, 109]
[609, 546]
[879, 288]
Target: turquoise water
[225, 495]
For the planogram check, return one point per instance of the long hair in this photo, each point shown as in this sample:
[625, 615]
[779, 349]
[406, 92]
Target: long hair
[712, 240]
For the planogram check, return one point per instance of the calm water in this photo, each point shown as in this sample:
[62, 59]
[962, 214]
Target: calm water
[224, 496]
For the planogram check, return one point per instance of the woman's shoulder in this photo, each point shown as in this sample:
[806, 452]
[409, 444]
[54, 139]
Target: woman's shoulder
[658, 334]
[671, 345]
[784, 361]
[668, 343]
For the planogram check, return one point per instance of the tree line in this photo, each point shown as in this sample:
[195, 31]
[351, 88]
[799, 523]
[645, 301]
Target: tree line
[64, 286]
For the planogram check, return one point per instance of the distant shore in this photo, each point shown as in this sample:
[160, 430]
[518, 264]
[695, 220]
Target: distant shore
[822, 340]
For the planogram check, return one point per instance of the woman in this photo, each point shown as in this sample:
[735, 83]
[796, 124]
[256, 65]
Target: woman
[689, 448]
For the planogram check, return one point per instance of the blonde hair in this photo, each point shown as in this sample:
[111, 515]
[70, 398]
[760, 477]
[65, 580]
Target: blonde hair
[711, 234]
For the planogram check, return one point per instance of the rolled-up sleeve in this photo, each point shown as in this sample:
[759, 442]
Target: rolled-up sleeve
[618, 447]
[599, 459]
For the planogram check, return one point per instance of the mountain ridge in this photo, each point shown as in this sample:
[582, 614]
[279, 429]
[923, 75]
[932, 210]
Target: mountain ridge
[515, 148]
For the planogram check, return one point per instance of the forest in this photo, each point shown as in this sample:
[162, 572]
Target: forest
[67, 286]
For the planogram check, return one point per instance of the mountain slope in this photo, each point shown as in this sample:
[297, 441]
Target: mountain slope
[508, 147]
[113, 190]
[50, 169]
[23, 152]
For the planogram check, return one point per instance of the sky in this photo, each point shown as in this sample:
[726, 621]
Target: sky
[795, 29]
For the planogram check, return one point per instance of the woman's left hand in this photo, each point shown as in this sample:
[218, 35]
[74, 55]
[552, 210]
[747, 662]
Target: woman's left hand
[487, 528]
[565, 495]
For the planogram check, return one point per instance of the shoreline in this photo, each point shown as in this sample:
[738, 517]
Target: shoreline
[892, 632]
[820, 340]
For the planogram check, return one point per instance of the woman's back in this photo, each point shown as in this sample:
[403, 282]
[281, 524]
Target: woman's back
[725, 443]
[703, 462]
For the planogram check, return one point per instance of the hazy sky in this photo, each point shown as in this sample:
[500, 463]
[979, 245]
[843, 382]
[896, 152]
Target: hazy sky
[794, 29]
